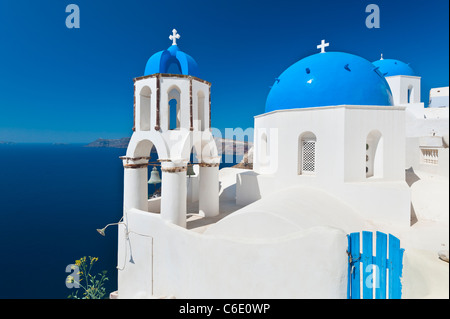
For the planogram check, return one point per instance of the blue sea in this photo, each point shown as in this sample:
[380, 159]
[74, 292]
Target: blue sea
[52, 200]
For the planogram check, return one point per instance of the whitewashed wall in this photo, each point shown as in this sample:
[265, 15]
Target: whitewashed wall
[341, 133]
[185, 264]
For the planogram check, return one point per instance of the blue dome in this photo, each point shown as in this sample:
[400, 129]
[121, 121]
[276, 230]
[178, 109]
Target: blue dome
[329, 78]
[162, 61]
[391, 67]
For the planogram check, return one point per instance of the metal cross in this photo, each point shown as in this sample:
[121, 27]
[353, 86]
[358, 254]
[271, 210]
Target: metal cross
[174, 37]
[322, 46]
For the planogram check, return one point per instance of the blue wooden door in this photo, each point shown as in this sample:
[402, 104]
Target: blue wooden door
[374, 276]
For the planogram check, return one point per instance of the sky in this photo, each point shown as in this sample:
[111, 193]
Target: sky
[61, 85]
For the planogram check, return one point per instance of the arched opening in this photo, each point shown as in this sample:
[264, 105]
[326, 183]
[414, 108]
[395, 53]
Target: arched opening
[141, 186]
[192, 182]
[154, 188]
[173, 114]
[374, 154]
[145, 108]
[174, 110]
[307, 154]
[201, 110]
[410, 94]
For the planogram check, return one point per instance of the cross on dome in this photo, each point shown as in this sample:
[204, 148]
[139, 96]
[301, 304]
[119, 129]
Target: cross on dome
[322, 46]
[174, 37]
[381, 58]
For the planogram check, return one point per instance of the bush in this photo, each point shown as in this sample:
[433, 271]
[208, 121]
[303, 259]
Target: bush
[93, 286]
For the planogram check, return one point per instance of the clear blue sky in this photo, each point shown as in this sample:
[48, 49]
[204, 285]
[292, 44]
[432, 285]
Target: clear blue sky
[75, 85]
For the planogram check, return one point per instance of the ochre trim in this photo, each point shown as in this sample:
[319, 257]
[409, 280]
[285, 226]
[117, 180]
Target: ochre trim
[174, 169]
[210, 107]
[167, 75]
[135, 165]
[190, 105]
[134, 158]
[209, 164]
[134, 109]
[158, 101]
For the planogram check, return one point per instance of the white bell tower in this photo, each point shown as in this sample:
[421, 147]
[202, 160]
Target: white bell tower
[172, 112]
[404, 84]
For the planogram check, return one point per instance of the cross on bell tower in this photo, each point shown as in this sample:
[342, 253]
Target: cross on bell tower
[174, 37]
[322, 46]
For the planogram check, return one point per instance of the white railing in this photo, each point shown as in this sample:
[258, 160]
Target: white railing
[430, 156]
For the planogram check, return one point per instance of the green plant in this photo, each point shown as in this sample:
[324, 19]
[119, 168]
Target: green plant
[93, 286]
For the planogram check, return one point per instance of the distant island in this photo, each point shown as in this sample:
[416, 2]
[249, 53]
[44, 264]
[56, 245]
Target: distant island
[6, 143]
[114, 143]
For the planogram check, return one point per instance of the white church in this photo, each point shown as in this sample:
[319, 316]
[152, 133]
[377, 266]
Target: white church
[329, 158]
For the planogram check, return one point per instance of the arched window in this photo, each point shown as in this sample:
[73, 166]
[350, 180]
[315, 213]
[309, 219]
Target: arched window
[174, 110]
[144, 105]
[307, 154]
[410, 94]
[201, 110]
[374, 154]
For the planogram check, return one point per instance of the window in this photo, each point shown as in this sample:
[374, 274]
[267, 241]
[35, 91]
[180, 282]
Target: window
[410, 94]
[173, 109]
[307, 154]
[173, 120]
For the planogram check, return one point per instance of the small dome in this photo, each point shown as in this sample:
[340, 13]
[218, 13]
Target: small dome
[391, 67]
[172, 58]
[329, 78]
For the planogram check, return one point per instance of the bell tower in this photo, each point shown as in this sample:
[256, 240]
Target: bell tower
[172, 113]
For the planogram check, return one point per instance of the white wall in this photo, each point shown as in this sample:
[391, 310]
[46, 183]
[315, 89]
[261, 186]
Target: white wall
[185, 264]
[341, 133]
[359, 123]
[406, 92]
[439, 97]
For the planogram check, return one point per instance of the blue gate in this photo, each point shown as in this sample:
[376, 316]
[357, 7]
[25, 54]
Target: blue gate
[380, 276]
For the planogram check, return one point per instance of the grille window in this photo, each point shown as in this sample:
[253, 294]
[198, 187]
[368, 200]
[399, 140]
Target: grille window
[307, 154]
[308, 157]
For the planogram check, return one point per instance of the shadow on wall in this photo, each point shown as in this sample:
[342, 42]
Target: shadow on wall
[410, 178]
[228, 193]
[413, 216]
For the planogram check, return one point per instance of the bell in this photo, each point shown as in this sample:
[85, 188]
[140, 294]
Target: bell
[154, 176]
[190, 171]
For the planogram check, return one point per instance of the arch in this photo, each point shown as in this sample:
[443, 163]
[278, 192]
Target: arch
[307, 154]
[135, 180]
[141, 145]
[145, 108]
[201, 110]
[173, 108]
[203, 143]
[374, 154]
